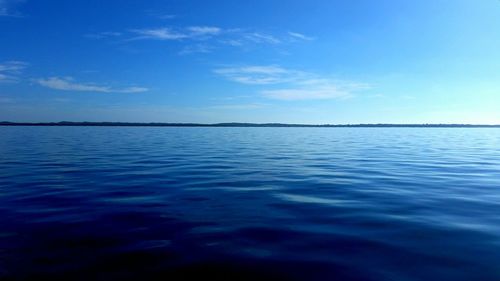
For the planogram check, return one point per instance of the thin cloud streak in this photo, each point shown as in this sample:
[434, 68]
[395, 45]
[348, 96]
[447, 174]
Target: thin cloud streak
[197, 48]
[10, 71]
[69, 84]
[260, 74]
[300, 85]
[203, 30]
[244, 106]
[310, 93]
[214, 37]
[158, 34]
[102, 35]
[7, 10]
[300, 36]
[257, 37]
[167, 33]
[167, 17]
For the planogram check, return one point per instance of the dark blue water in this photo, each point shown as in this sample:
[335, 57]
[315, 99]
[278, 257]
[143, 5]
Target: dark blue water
[92, 203]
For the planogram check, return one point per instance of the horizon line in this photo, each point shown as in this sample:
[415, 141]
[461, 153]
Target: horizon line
[242, 124]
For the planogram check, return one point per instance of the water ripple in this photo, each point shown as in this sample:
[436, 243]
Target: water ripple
[86, 203]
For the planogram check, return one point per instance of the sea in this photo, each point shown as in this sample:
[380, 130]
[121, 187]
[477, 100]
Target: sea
[195, 203]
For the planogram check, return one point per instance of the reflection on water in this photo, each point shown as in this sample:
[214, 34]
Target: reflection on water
[81, 203]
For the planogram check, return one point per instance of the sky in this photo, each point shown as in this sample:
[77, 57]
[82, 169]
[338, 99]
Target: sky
[261, 61]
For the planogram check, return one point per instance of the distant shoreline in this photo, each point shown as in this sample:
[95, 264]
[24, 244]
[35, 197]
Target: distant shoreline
[267, 125]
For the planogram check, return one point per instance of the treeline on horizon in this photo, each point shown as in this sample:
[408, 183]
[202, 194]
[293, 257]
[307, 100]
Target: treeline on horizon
[136, 124]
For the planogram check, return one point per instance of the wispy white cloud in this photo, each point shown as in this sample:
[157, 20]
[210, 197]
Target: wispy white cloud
[203, 30]
[214, 37]
[300, 85]
[167, 33]
[69, 84]
[196, 48]
[308, 93]
[408, 97]
[377, 96]
[7, 8]
[205, 39]
[257, 37]
[3, 8]
[162, 15]
[260, 74]
[10, 70]
[101, 35]
[300, 36]
[316, 89]
[164, 33]
[231, 98]
[233, 42]
[242, 106]
[167, 16]
[6, 100]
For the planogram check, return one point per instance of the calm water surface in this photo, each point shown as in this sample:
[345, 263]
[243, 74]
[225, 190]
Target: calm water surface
[111, 203]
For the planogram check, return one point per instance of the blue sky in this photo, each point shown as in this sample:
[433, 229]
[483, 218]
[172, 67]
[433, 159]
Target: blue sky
[317, 62]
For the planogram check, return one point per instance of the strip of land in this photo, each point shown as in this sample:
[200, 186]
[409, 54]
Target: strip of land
[132, 124]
